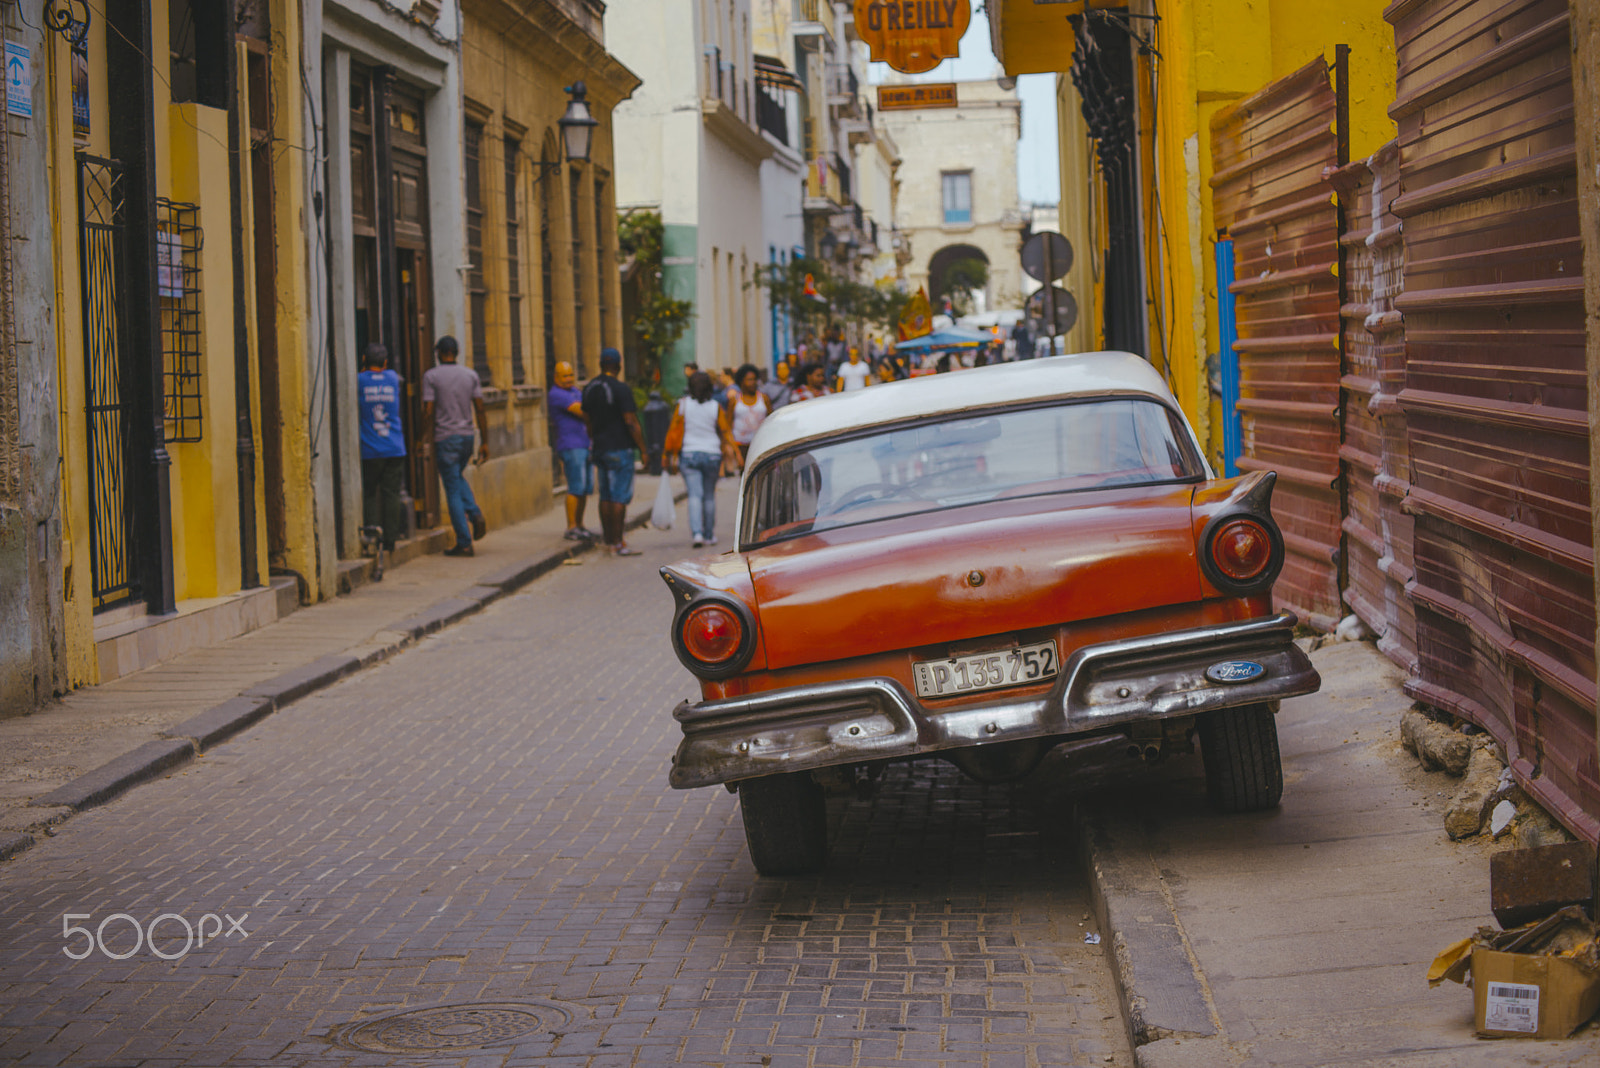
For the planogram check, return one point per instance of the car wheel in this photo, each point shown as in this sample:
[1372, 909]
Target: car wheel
[785, 823]
[1244, 772]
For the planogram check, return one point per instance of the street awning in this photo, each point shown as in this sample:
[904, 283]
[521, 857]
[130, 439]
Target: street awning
[771, 73]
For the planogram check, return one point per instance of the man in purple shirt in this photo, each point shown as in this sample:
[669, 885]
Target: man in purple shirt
[572, 447]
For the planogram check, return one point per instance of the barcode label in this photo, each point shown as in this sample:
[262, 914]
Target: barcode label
[1511, 1007]
[1501, 990]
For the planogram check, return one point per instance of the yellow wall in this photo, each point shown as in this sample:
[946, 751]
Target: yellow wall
[1212, 52]
[514, 83]
[191, 166]
[291, 213]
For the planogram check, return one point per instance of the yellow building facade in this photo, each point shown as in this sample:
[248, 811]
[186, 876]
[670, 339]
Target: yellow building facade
[167, 533]
[1187, 60]
[544, 285]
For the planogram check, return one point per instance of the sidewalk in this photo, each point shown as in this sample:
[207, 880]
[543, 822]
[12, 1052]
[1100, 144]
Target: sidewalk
[98, 741]
[1301, 936]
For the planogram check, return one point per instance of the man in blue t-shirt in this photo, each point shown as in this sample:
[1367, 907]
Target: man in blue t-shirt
[571, 432]
[383, 446]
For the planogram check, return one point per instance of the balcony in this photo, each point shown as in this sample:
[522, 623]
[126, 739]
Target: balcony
[772, 117]
[814, 19]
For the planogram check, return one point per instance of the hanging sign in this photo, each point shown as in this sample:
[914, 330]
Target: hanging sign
[909, 97]
[913, 36]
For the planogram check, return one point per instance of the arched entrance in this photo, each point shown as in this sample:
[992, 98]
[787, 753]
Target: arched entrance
[960, 272]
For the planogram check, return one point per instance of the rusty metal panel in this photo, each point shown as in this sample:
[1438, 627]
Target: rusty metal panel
[1495, 396]
[1373, 453]
[1270, 151]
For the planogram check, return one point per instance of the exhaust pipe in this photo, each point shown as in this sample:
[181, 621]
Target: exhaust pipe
[1151, 753]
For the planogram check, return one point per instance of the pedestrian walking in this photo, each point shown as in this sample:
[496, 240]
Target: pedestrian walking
[813, 383]
[572, 447]
[777, 390]
[614, 430]
[834, 349]
[383, 447]
[707, 440]
[749, 409]
[452, 403]
[854, 374]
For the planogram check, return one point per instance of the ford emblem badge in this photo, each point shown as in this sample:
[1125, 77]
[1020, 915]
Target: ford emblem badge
[1235, 671]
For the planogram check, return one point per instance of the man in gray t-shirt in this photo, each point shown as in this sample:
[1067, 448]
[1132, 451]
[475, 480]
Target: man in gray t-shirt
[452, 403]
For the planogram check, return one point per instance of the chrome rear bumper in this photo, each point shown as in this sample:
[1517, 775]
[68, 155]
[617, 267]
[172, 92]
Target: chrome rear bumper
[1153, 677]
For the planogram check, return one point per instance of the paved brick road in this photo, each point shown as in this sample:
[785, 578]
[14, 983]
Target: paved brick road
[486, 820]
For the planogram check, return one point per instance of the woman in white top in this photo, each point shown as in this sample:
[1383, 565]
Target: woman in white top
[706, 440]
[748, 409]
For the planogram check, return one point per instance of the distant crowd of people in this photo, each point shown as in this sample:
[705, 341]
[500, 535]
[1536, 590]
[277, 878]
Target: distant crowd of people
[596, 429]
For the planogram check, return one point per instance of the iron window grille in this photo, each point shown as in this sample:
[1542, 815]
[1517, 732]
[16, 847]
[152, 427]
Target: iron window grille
[179, 240]
[477, 288]
[519, 373]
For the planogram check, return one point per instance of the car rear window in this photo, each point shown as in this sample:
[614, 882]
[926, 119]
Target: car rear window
[950, 463]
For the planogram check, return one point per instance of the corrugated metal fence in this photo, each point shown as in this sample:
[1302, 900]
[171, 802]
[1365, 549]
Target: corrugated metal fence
[1374, 454]
[1495, 395]
[1269, 152]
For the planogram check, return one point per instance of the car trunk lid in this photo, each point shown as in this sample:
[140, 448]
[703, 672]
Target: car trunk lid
[958, 574]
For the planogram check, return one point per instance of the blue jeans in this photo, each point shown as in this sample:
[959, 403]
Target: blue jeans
[453, 455]
[580, 477]
[614, 471]
[700, 476]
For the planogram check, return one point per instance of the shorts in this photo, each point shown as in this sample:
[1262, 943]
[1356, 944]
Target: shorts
[575, 462]
[615, 475]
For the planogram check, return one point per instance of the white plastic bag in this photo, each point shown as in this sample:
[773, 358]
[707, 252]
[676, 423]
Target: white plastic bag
[663, 511]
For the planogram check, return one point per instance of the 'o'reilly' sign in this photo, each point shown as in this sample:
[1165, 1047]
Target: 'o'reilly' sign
[912, 36]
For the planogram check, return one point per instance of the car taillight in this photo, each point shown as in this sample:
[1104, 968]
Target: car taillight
[712, 634]
[1241, 549]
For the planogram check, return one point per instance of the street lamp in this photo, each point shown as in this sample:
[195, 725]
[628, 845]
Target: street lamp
[577, 125]
[577, 130]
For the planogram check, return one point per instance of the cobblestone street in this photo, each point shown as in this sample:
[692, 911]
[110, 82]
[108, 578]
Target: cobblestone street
[484, 821]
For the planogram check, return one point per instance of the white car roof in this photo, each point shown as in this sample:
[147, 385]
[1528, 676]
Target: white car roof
[1087, 373]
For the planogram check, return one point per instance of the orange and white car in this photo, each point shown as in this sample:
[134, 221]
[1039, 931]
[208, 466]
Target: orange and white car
[978, 566]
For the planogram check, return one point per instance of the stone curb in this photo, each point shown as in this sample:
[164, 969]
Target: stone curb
[12, 844]
[221, 722]
[1162, 993]
[107, 781]
[297, 682]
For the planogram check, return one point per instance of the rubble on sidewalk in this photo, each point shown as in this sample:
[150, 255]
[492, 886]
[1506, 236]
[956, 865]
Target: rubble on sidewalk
[1540, 980]
[1539, 976]
[1488, 798]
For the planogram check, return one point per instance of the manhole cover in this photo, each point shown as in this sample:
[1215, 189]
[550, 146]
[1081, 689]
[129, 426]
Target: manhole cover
[443, 1027]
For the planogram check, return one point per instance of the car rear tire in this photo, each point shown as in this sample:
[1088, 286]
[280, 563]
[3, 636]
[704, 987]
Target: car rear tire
[785, 823]
[1244, 772]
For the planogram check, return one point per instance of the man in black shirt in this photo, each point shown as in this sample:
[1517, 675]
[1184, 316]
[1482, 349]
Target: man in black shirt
[614, 428]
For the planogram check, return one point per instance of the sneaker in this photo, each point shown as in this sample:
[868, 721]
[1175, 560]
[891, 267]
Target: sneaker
[460, 550]
[587, 534]
[697, 542]
[479, 527]
[711, 539]
[574, 534]
[624, 550]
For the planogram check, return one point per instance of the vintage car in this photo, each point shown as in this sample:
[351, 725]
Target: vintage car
[978, 566]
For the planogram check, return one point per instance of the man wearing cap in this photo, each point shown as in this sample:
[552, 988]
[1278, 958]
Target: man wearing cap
[614, 429]
[572, 448]
[452, 399]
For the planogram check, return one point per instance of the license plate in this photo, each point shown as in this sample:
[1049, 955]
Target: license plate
[1017, 666]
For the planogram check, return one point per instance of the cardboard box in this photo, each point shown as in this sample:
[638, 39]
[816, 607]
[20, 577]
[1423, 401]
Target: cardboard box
[1521, 995]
